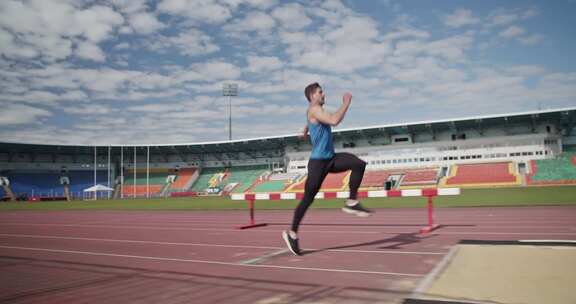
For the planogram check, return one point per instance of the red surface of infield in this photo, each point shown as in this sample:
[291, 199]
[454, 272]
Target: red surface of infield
[198, 257]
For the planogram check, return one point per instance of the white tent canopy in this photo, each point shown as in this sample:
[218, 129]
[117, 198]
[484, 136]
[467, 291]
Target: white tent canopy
[97, 188]
[97, 191]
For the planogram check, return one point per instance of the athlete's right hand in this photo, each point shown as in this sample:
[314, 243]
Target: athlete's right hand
[347, 98]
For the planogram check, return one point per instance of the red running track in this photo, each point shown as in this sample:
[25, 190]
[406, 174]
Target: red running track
[197, 257]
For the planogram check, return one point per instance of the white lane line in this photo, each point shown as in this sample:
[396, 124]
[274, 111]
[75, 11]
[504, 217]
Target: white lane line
[264, 257]
[216, 227]
[184, 228]
[212, 262]
[511, 233]
[547, 241]
[429, 279]
[279, 231]
[211, 245]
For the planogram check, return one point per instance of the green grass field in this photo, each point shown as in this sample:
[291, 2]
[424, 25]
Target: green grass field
[534, 196]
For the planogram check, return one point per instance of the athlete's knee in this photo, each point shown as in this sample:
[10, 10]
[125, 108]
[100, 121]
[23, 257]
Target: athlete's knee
[311, 193]
[360, 165]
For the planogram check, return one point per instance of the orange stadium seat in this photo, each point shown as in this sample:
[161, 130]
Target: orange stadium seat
[419, 177]
[141, 190]
[483, 174]
[184, 176]
[374, 179]
[333, 182]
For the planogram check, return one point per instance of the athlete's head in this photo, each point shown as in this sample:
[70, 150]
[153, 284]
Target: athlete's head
[314, 93]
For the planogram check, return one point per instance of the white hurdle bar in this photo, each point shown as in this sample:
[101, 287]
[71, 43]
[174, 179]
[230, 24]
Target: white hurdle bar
[426, 192]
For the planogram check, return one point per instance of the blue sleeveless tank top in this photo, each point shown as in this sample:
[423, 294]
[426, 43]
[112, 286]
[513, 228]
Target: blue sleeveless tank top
[321, 137]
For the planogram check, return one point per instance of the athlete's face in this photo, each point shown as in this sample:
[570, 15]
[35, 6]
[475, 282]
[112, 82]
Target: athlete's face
[319, 96]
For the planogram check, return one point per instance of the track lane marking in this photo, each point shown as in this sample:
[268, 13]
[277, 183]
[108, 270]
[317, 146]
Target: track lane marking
[279, 231]
[214, 245]
[212, 262]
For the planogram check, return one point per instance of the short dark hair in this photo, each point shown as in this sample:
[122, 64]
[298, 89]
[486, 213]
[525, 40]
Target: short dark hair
[311, 88]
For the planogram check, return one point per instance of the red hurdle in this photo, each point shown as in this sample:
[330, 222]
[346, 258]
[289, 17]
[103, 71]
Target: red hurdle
[251, 198]
[429, 193]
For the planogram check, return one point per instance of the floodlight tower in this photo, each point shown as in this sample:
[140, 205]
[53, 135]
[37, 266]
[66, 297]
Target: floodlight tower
[230, 89]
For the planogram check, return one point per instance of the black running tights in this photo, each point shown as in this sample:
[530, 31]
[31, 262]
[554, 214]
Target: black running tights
[317, 171]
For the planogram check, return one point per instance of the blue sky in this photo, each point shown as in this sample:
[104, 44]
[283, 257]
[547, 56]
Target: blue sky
[151, 72]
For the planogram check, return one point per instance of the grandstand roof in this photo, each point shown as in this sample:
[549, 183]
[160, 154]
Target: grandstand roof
[566, 117]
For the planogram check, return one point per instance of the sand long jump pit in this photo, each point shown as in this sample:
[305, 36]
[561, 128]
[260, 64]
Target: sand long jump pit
[508, 272]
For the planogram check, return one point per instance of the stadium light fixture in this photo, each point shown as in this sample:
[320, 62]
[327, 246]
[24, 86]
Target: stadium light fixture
[230, 89]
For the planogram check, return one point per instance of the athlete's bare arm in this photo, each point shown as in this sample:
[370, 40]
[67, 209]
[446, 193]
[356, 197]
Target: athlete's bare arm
[304, 132]
[333, 119]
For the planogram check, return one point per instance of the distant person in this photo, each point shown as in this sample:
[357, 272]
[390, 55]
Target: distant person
[324, 160]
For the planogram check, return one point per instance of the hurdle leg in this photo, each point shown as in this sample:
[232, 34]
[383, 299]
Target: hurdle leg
[252, 223]
[431, 226]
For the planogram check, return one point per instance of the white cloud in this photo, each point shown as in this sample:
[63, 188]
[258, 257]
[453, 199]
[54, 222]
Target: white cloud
[531, 39]
[159, 108]
[393, 5]
[149, 81]
[191, 42]
[332, 11]
[198, 11]
[526, 70]
[90, 51]
[11, 49]
[267, 109]
[556, 88]
[354, 29]
[48, 28]
[88, 110]
[97, 23]
[336, 49]
[559, 78]
[122, 46]
[131, 6]
[183, 76]
[285, 81]
[101, 81]
[452, 49]
[344, 58]
[35, 17]
[260, 4]
[426, 70]
[406, 33]
[145, 23]
[529, 13]
[50, 46]
[292, 16]
[216, 70]
[254, 21]
[460, 17]
[259, 64]
[506, 17]
[263, 4]
[279, 48]
[33, 97]
[74, 95]
[42, 97]
[136, 94]
[16, 114]
[113, 84]
[139, 18]
[511, 32]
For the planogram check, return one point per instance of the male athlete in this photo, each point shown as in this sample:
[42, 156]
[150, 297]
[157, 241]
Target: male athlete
[324, 160]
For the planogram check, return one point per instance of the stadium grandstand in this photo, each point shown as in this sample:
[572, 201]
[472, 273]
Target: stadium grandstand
[514, 150]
